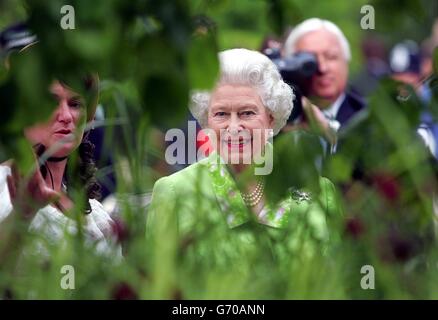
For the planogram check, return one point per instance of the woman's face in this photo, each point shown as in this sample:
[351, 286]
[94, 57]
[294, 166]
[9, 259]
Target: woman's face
[240, 122]
[64, 127]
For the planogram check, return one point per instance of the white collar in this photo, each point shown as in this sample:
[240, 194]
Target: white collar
[332, 111]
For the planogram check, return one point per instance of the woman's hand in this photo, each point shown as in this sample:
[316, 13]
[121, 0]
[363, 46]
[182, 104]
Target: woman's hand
[29, 194]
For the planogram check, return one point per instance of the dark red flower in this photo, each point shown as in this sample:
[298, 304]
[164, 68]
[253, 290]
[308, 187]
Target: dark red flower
[396, 247]
[119, 230]
[354, 227]
[402, 249]
[123, 291]
[177, 295]
[387, 186]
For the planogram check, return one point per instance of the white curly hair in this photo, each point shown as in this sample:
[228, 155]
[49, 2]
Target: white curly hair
[315, 24]
[247, 67]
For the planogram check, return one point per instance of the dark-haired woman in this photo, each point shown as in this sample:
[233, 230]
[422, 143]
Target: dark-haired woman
[43, 199]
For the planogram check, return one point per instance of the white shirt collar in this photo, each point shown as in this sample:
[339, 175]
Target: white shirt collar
[332, 111]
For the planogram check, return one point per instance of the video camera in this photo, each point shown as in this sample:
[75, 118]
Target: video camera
[297, 71]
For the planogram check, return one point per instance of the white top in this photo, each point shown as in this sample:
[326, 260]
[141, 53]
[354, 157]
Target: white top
[52, 223]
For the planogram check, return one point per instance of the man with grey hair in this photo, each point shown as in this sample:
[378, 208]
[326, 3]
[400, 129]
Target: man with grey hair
[327, 88]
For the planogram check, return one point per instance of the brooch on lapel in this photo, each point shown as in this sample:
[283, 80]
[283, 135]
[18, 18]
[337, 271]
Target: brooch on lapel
[300, 196]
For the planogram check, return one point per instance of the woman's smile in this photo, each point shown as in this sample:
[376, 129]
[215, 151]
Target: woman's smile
[238, 143]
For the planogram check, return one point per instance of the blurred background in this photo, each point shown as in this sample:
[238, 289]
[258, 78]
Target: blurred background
[149, 56]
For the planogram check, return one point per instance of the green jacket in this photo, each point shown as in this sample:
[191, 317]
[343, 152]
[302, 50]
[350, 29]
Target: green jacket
[198, 221]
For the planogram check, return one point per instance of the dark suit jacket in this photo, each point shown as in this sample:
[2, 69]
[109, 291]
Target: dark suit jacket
[351, 105]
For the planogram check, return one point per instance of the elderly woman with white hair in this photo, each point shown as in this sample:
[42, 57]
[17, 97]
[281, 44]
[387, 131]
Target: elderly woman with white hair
[220, 196]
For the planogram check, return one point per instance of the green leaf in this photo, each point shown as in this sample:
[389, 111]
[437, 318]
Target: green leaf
[165, 98]
[202, 60]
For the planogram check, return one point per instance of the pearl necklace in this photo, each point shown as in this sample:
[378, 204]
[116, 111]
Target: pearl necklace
[253, 198]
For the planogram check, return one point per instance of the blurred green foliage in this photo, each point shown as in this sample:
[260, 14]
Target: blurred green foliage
[149, 55]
